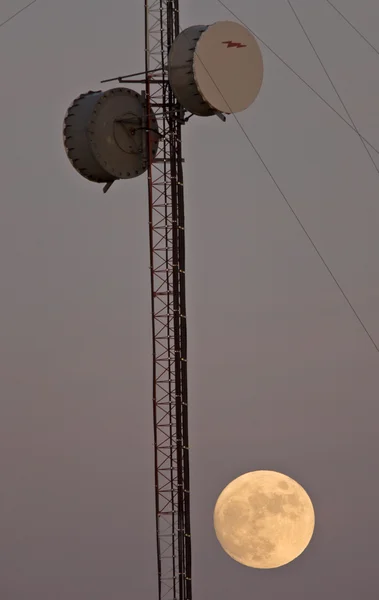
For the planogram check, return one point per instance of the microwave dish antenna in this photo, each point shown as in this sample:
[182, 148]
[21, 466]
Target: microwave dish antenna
[215, 68]
[104, 135]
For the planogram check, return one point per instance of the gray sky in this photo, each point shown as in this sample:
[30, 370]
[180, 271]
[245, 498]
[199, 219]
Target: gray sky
[281, 374]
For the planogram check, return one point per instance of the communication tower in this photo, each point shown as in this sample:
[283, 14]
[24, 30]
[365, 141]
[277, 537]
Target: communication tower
[120, 134]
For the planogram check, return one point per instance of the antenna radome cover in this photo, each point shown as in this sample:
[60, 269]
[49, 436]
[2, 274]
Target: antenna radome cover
[105, 135]
[215, 68]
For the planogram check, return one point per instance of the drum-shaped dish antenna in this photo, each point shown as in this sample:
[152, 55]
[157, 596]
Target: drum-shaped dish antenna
[105, 135]
[216, 68]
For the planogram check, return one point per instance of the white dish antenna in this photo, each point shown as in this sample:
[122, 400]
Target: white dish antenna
[216, 68]
[105, 135]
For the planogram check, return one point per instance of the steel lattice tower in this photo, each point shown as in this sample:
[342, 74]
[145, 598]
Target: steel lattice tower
[169, 326]
[119, 134]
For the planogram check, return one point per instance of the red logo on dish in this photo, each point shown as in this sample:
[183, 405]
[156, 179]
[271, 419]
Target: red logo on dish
[231, 44]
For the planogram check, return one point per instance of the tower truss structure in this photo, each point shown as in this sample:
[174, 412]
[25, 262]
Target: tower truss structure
[121, 133]
[168, 301]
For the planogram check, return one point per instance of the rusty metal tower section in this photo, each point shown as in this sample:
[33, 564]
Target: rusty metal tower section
[167, 265]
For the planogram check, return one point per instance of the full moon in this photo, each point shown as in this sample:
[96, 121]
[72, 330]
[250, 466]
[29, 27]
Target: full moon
[264, 519]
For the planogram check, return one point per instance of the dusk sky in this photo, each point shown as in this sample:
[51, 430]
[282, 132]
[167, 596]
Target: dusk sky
[281, 374]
